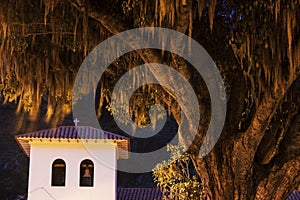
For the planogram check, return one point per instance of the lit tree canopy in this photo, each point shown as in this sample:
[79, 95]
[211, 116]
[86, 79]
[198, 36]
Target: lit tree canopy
[255, 45]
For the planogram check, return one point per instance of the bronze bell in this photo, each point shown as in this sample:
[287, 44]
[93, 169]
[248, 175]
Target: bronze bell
[87, 173]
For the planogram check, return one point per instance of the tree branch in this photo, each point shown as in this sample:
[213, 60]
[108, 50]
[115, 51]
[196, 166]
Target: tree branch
[279, 184]
[148, 55]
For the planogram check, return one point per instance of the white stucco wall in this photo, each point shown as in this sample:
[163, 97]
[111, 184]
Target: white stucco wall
[43, 154]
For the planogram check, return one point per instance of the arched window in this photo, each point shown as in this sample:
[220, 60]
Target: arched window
[58, 173]
[87, 173]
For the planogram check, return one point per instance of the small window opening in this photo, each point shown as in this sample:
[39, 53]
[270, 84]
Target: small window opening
[58, 173]
[86, 173]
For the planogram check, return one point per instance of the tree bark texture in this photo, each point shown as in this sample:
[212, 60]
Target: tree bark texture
[239, 167]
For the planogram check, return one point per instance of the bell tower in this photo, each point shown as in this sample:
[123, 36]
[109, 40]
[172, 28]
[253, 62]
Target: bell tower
[73, 163]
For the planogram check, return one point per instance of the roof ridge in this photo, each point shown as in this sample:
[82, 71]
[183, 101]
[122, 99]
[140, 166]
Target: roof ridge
[50, 132]
[73, 133]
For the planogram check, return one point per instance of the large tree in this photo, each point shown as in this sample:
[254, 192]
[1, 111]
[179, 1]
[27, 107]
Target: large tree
[255, 44]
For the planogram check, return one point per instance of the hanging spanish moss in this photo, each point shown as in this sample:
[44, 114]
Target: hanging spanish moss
[44, 42]
[42, 46]
[268, 48]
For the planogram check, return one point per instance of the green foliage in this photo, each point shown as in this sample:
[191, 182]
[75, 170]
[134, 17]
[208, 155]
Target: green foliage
[175, 177]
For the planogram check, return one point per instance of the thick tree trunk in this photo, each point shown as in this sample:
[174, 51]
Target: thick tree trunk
[230, 170]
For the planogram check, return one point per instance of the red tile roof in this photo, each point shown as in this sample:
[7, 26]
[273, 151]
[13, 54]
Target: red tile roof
[73, 133]
[139, 194]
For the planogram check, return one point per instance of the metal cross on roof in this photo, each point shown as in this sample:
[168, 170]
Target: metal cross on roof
[76, 121]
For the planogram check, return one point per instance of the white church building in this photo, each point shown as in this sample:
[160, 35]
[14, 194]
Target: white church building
[73, 163]
[80, 163]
